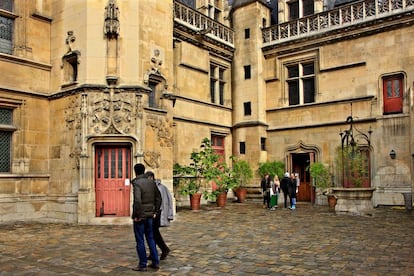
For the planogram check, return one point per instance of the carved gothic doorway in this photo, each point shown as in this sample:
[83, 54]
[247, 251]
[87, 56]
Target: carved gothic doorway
[298, 159]
[112, 180]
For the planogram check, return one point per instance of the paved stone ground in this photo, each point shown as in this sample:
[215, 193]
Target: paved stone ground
[240, 239]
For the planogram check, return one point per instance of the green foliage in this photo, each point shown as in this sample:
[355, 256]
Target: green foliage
[208, 166]
[272, 168]
[185, 177]
[352, 162]
[190, 177]
[320, 175]
[241, 171]
[223, 177]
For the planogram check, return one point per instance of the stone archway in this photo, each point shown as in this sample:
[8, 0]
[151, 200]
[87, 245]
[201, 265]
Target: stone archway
[298, 159]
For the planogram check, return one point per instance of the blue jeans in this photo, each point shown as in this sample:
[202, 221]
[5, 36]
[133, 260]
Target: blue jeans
[144, 228]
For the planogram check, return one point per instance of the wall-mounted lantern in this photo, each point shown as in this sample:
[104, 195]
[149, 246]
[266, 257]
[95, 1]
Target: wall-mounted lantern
[393, 154]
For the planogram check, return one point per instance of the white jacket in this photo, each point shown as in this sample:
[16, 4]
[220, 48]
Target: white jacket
[167, 212]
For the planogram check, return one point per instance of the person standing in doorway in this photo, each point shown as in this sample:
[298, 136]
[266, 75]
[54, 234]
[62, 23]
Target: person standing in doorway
[164, 217]
[284, 184]
[146, 206]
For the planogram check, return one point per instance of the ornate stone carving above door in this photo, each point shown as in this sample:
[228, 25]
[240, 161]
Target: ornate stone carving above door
[112, 113]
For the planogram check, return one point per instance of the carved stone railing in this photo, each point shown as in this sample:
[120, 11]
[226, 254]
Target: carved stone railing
[202, 24]
[341, 17]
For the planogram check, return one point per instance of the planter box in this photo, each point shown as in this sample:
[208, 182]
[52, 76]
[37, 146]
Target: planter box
[355, 201]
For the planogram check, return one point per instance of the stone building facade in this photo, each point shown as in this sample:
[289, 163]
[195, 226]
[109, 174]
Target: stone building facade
[89, 88]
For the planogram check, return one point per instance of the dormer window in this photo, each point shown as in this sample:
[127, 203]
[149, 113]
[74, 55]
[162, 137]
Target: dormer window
[300, 8]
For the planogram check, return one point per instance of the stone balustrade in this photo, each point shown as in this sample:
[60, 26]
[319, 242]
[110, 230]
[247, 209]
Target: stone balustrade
[341, 17]
[202, 24]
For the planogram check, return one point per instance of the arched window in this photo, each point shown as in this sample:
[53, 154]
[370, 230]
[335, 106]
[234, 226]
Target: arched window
[393, 91]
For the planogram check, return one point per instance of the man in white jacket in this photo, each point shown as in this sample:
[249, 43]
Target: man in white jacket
[164, 217]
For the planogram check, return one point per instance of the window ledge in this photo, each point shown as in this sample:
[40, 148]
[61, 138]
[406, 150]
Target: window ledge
[25, 61]
[364, 98]
[41, 17]
[5, 175]
[8, 14]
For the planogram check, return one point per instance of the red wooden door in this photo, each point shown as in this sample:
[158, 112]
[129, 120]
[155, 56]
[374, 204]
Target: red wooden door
[112, 174]
[393, 94]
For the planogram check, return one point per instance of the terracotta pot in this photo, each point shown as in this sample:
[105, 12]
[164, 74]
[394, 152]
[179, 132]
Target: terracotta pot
[221, 199]
[195, 201]
[241, 194]
[331, 202]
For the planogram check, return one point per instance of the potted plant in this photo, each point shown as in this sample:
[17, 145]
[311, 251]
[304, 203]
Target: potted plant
[242, 173]
[272, 168]
[191, 177]
[223, 177]
[321, 179]
[189, 183]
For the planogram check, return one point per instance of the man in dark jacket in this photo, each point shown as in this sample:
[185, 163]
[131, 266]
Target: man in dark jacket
[147, 203]
[285, 183]
[265, 185]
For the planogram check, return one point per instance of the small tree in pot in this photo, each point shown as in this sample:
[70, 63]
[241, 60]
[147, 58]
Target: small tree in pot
[321, 179]
[243, 173]
[224, 180]
[192, 176]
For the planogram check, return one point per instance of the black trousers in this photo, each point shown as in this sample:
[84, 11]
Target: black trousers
[266, 199]
[159, 241]
[285, 196]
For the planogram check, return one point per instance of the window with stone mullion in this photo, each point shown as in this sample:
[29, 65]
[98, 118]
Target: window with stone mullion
[6, 121]
[6, 35]
[6, 27]
[6, 5]
[221, 86]
[301, 83]
[213, 81]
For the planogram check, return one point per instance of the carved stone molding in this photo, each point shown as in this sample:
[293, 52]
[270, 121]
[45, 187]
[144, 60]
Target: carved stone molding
[73, 119]
[112, 113]
[152, 159]
[70, 61]
[154, 74]
[163, 128]
[111, 24]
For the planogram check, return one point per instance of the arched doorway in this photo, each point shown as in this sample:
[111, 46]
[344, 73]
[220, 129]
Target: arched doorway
[300, 163]
[298, 159]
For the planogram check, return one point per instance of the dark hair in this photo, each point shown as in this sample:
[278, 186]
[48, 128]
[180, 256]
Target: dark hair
[139, 169]
[149, 174]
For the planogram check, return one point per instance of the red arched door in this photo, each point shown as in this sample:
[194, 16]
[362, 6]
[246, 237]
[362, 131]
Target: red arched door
[393, 94]
[112, 176]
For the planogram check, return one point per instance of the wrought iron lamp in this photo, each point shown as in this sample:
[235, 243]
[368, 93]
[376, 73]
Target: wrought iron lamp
[353, 139]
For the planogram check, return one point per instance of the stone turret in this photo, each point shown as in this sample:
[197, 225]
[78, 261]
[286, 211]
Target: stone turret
[248, 83]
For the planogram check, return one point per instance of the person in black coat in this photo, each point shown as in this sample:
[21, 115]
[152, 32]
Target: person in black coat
[146, 206]
[265, 185]
[285, 183]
